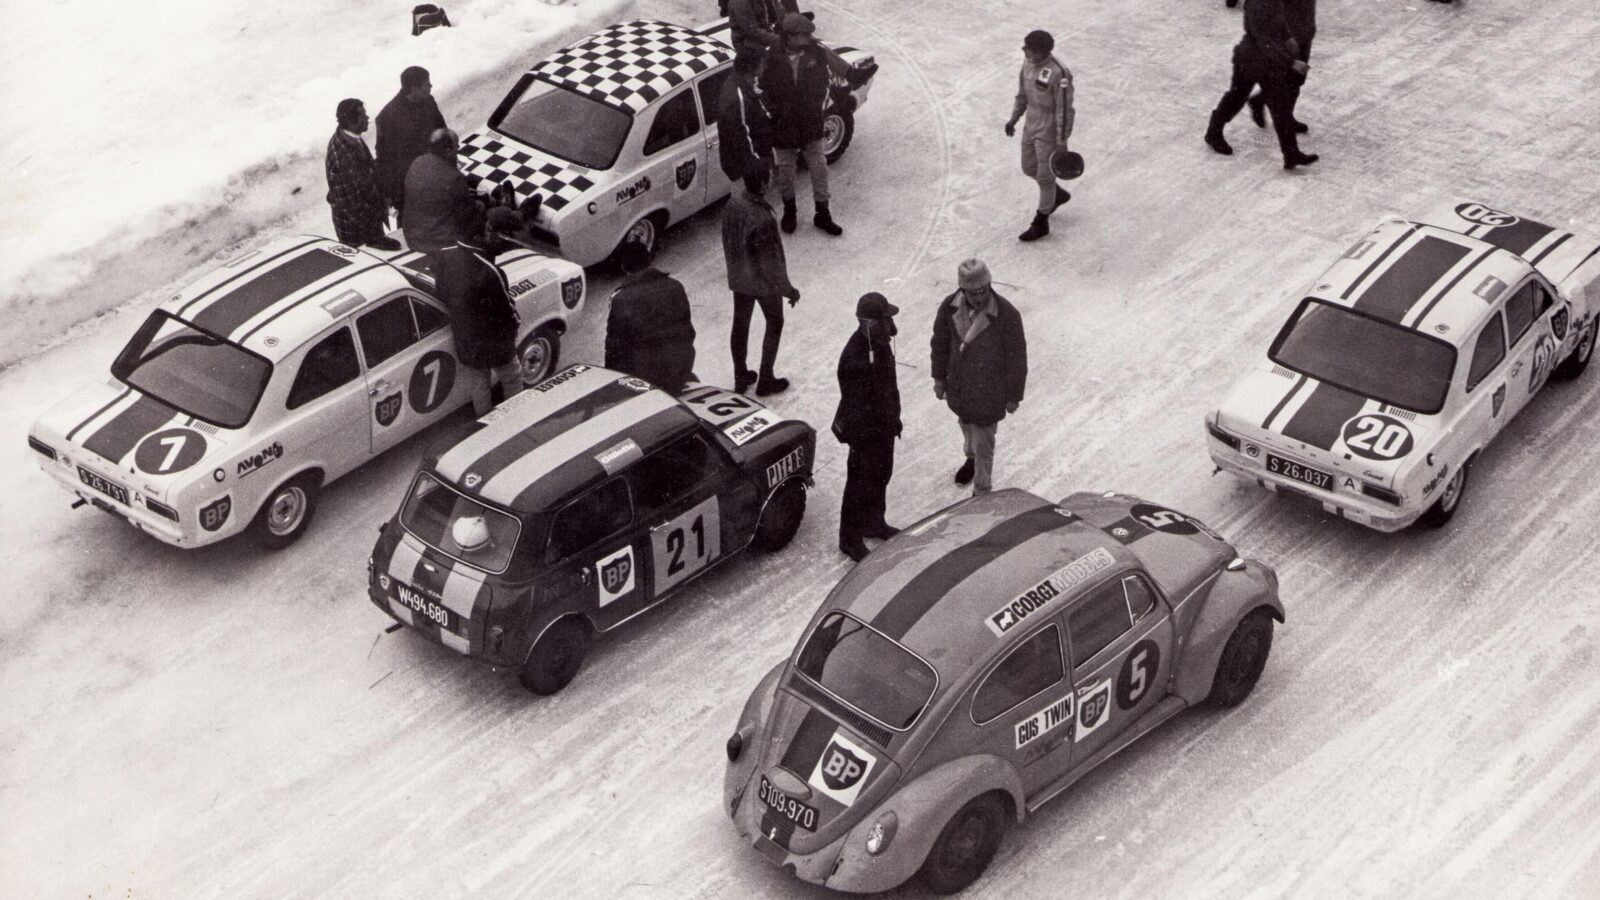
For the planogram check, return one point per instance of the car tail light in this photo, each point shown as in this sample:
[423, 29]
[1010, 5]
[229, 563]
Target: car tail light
[1387, 496]
[48, 451]
[735, 746]
[161, 509]
[1223, 436]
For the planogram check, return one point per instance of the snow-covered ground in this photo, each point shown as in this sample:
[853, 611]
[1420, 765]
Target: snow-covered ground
[230, 722]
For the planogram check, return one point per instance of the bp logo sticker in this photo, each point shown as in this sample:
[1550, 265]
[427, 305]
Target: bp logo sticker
[1558, 323]
[685, 174]
[1163, 520]
[169, 450]
[387, 410]
[842, 768]
[1377, 436]
[1478, 214]
[214, 515]
[1138, 674]
[614, 574]
[571, 292]
[1094, 708]
[431, 381]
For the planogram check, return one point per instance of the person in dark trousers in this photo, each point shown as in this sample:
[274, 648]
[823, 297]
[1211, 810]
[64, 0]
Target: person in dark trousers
[868, 422]
[438, 201]
[404, 125]
[649, 333]
[1265, 55]
[1301, 17]
[1044, 95]
[359, 214]
[757, 275]
[744, 129]
[979, 367]
[483, 317]
[755, 23]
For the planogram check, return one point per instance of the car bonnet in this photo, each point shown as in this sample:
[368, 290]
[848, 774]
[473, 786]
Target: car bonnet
[1176, 550]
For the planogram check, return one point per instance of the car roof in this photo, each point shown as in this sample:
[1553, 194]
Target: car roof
[631, 64]
[574, 429]
[275, 297]
[938, 586]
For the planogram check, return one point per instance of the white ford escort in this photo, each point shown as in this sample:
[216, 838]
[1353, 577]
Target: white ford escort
[244, 394]
[1407, 358]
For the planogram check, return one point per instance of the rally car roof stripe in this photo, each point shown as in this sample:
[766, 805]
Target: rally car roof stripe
[1321, 418]
[478, 446]
[1376, 263]
[287, 307]
[504, 486]
[251, 299]
[808, 742]
[117, 437]
[1518, 236]
[1288, 394]
[126, 390]
[1397, 290]
[1553, 245]
[928, 587]
[243, 272]
[581, 468]
[1422, 314]
[532, 437]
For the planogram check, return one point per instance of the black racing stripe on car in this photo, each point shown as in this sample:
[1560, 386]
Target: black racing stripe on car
[1376, 263]
[1392, 294]
[808, 742]
[1592, 254]
[319, 292]
[581, 468]
[99, 412]
[919, 595]
[1321, 418]
[258, 264]
[1517, 237]
[117, 438]
[1548, 250]
[1299, 379]
[429, 574]
[251, 299]
[531, 438]
[1444, 291]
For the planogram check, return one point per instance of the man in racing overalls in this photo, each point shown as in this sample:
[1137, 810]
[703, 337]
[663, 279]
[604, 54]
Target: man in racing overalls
[1044, 93]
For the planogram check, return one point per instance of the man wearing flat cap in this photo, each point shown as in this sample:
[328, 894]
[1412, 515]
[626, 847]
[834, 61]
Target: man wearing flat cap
[980, 366]
[868, 422]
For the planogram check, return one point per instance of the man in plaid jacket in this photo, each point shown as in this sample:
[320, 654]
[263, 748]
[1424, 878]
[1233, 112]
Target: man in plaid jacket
[359, 213]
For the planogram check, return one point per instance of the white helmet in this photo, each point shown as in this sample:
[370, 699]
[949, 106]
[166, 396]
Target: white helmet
[470, 533]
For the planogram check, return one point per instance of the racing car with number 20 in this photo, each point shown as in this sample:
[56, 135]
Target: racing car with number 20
[576, 506]
[1409, 356]
[976, 665]
[246, 393]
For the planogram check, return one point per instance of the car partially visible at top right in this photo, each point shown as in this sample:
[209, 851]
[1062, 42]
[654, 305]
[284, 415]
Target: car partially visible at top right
[1407, 358]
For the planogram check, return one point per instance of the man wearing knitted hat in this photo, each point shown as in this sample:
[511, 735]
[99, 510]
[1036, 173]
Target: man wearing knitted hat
[1044, 94]
[979, 366]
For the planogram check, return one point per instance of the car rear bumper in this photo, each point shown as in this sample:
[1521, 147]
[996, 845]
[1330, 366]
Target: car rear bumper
[158, 527]
[842, 864]
[1356, 507]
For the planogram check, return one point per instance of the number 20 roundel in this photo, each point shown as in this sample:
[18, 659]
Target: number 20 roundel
[1376, 436]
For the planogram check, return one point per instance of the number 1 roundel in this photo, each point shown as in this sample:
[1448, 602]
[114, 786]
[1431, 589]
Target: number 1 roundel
[431, 381]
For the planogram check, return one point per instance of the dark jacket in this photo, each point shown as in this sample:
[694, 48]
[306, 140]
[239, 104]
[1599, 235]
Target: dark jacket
[1301, 17]
[754, 23]
[358, 210]
[989, 371]
[438, 204]
[482, 316]
[403, 129]
[1266, 31]
[744, 129]
[869, 394]
[649, 333]
[752, 247]
[796, 99]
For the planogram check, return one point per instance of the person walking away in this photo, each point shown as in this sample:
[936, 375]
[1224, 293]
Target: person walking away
[1301, 17]
[404, 125]
[649, 333]
[483, 317]
[1265, 55]
[868, 422]
[438, 200]
[979, 366]
[744, 128]
[359, 214]
[758, 275]
[1044, 95]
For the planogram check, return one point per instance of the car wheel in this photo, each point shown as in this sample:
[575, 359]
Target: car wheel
[966, 846]
[539, 352]
[780, 519]
[1243, 659]
[556, 657]
[1578, 359]
[838, 127]
[646, 231]
[287, 512]
[1449, 499]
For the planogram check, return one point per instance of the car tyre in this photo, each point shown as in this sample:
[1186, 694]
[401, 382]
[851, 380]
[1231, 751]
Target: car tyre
[287, 512]
[556, 657]
[1243, 659]
[539, 352]
[1449, 499]
[1578, 359]
[838, 128]
[966, 845]
[780, 518]
[646, 231]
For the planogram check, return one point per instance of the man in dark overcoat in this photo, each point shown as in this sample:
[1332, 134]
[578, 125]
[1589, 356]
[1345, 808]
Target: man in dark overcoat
[649, 333]
[979, 366]
[404, 126]
[868, 422]
[483, 316]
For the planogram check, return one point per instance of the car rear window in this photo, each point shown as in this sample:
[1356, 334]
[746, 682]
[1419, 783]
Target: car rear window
[562, 123]
[867, 670]
[193, 371]
[459, 526]
[1366, 356]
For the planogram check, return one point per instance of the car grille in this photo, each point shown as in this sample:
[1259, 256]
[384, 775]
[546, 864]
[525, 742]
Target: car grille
[865, 727]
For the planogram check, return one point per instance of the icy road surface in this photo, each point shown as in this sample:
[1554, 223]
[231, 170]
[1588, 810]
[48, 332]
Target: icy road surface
[233, 723]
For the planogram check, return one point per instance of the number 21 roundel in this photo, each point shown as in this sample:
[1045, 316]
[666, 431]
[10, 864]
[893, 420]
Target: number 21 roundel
[431, 381]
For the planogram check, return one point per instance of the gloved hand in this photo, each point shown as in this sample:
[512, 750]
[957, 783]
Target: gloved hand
[938, 389]
[1011, 407]
[793, 293]
[1011, 128]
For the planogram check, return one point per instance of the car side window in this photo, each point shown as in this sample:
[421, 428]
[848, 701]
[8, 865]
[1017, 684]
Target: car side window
[710, 89]
[1520, 313]
[597, 514]
[1487, 352]
[675, 121]
[1141, 600]
[1099, 618]
[386, 330]
[331, 363]
[1031, 668]
[669, 473]
[430, 318]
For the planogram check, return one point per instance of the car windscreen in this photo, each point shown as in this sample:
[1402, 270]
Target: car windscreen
[192, 371]
[867, 670]
[1366, 356]
[562, 123]
[459, 526]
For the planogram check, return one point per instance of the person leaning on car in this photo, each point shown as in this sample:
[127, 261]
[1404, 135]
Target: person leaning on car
[649, 333]
[404, 125]
[483, 317]
[359, 214]
[868, 422]
[438, 200]
[980, 366]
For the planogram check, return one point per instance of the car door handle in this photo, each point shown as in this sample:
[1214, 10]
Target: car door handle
[377, 387]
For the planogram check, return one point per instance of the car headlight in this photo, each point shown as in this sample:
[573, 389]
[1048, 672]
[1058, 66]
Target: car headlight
[882, 833]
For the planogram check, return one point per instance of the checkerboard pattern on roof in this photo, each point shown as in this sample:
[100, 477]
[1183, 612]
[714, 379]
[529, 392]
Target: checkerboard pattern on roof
[487, 161]
[630, 65]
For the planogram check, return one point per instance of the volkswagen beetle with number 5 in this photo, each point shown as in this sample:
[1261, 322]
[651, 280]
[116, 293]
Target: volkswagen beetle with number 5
[1407, 358]
[973, 667]
[579, 504]
[247, 392]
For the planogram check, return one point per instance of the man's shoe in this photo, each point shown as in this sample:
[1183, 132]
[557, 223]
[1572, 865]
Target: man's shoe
[1039, 228]
[1301, 127]
[384, 243]
[742, 381]
[824, 220]
[1299, 159]
[964, 474]
[788, 222]
[854, 549]
[1232, 3]
[1258, 110]
[1217, 142]
[768, 386]
[882, 532]
[1062, 196]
